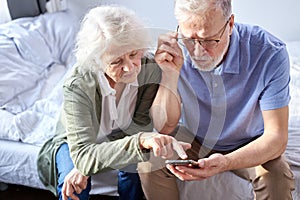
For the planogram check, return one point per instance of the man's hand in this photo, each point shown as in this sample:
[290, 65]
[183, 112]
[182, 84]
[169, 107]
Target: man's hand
[74, 182]
[168, 54]
[163, 145]
[208, 167]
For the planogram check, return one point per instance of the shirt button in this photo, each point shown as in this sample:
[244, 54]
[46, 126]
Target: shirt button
[215, 84]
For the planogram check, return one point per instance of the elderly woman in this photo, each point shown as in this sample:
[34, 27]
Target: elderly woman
[106, 121]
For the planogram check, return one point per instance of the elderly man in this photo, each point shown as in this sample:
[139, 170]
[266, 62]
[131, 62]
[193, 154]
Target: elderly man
[233, 82]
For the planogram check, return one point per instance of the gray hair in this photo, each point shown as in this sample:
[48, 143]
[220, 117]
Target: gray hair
[103, 26]
[187, 9]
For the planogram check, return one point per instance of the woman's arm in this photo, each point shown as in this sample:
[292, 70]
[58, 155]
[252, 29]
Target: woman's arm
[82, 127]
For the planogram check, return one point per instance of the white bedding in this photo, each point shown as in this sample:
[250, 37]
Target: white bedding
[18, 166]
[35, 54]
[293, 147]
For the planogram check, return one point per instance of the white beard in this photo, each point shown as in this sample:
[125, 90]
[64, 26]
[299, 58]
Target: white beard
[207, 63]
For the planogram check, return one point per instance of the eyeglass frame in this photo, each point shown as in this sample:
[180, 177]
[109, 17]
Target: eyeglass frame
[200, 41]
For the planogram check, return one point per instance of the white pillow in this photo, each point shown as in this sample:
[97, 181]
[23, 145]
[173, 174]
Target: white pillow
[4, 12]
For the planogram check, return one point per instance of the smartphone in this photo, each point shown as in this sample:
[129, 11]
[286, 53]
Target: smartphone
[182, 162]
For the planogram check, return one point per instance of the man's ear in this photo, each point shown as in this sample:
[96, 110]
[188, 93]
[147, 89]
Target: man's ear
[231, 23]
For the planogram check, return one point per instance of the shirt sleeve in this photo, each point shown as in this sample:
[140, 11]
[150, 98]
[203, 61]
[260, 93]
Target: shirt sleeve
[276, 93]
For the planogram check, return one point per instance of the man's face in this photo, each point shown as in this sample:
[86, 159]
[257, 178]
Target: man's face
[207, 39]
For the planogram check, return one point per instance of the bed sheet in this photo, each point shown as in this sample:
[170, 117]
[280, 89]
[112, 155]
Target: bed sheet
[293, 147]
[18, 166]
[35, 55]
[222, 186]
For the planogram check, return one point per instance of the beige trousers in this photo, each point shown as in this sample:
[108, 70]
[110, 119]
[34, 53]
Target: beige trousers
[273, 180]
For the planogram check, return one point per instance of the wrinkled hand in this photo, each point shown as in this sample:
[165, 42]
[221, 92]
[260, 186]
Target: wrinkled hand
[163, 145]
[168, 54]
[208, 167]
[74, 182]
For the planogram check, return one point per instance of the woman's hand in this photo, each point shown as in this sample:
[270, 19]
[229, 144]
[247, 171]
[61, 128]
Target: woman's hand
[74, 182]
[163, 145]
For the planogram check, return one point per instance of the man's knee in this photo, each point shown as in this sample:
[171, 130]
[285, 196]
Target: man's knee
[269, 175]
[159, 180]
[279, 169]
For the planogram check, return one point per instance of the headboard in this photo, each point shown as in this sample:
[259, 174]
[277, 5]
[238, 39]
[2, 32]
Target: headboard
[26, 8]
[13, 9]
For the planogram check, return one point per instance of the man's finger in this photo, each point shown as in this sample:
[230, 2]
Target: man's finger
[167, 38]
[164, 56]
[174, 51]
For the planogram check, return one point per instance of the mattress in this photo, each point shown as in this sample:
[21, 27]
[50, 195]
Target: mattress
[18, 166]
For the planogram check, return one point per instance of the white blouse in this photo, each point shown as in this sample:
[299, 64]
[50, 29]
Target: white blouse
[115, 116]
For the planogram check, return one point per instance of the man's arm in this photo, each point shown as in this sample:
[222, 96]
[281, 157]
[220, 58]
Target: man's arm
[267, 147]
[166, 109]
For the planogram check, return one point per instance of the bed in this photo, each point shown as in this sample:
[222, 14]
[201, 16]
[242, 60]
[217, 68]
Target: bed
[35, 56]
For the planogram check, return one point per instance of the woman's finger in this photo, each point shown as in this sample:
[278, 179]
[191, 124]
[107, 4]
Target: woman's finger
[77, 188]
[178, 147]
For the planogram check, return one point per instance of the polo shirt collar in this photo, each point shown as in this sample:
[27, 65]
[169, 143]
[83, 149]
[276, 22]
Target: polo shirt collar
[231, 63]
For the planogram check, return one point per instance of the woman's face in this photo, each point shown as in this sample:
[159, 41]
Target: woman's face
[122, 68]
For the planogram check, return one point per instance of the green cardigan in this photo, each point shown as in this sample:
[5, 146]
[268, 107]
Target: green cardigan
[80, 123]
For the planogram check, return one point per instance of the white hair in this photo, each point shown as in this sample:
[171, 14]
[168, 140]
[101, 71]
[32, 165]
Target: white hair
[186, 10]
[104, 25]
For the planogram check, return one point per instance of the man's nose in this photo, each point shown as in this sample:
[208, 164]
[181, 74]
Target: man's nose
[199, 49]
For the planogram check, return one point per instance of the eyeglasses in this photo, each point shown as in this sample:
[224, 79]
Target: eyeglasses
[207, 44]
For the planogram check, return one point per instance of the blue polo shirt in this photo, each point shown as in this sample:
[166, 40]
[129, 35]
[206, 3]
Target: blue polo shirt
[223, 107]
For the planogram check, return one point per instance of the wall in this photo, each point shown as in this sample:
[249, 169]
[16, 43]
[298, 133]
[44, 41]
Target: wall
[279, 17]
[156, 13]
